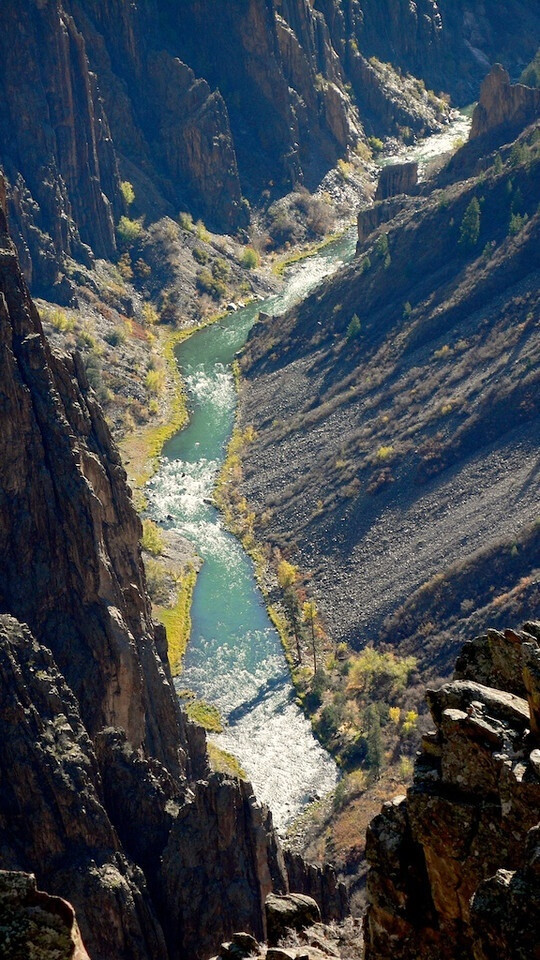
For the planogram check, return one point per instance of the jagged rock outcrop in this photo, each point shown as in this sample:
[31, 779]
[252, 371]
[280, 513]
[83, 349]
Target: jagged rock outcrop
[292, 912]
[451, 865]
[32, 923]
[320, 883]
[382, 211]
[397, 178]
[504, 108]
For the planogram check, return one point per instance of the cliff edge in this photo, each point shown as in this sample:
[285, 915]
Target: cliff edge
[453, 867]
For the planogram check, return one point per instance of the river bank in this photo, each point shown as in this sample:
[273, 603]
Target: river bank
[180, 497]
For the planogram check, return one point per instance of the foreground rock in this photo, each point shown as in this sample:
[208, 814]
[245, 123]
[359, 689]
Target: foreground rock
[32, 923]
[105, 791]
[293, 912]
[453, 867]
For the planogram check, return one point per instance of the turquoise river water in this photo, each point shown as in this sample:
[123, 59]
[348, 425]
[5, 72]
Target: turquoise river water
[234, 658]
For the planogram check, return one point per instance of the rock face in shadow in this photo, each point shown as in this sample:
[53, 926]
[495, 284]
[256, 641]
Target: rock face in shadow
[56, 149]
[70, 562]
[453, 867]
[196, 104]
[105, 791]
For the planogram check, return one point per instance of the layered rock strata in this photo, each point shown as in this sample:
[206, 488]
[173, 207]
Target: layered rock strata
[453, 867]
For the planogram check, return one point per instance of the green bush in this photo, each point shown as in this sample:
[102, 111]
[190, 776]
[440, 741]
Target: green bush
[128, 192]
[185, 220]
[199, 255]
[128, 231]
[220, 269]
[116, 337]
[250, 258]
[152, 538]
[375, 144]
[207, 283]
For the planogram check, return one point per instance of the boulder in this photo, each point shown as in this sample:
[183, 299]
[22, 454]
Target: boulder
[295, 911]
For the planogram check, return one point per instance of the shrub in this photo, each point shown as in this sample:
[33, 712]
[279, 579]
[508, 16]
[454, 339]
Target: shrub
[152, 538]
[185, 220]
[202, 232]
[116, 337]
[380, 674]
[384, 452]
[375, 144]
[150, 314]
[517, 222]
[220, 269]
[128, 231]
[142, 269]
[157, 582]
[199, 255]
[128, 192]
[531, 74]
[250, 258]
[286, 574]
[155, 381]
[314, 696]
[61, 322]
[124, 266]
[381, 245]
[207, 283]
[354, 328]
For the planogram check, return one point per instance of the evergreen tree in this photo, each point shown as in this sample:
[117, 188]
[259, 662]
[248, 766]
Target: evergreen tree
[469, 231]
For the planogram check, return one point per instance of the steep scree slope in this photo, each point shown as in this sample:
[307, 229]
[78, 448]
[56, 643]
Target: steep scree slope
[396, 461]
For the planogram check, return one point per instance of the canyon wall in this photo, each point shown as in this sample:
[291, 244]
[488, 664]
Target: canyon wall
[200, 105]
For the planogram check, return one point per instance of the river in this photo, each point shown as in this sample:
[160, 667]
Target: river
[234, 658]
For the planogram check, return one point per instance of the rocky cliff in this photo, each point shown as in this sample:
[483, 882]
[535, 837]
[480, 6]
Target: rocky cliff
[94, 91]
[504, 109]
[453, 867]
[56, 149]
[105, 791]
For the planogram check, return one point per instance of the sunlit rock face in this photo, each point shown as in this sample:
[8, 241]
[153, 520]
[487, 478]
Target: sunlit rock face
[453, 866]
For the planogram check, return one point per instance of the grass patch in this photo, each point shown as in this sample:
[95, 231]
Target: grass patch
[142, 447]
[152, 538]
[223, 762]
[206, 714]
[177, 620]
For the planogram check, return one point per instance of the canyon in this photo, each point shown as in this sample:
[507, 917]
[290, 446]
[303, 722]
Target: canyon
[388, 425]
